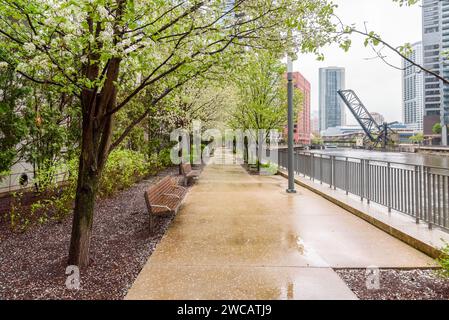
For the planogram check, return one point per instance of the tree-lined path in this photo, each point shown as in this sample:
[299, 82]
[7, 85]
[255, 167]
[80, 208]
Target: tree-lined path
[240, 236]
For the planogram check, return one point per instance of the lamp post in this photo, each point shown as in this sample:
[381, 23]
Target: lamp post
[291, 178]
[444, 124]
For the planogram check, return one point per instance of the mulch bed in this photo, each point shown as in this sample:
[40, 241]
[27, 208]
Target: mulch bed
[33, 263]
[398, 284]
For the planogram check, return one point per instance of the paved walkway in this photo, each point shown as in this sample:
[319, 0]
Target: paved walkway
[418, 234]
[239, 236]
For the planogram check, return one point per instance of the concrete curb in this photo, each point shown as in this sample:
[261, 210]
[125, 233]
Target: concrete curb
[398, 234]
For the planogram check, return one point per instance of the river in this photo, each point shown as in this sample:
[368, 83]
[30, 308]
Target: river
[399, 157]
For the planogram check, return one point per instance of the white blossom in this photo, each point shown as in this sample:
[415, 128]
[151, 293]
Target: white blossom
[68, 38]
[125, 43]
[103, 12]
[21, 66]
[3, 64]
[105, 36]
[84, 59]
[30, 47]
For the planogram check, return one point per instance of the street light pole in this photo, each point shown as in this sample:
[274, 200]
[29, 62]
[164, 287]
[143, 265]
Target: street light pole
[444, 141]
[444, 124]
[291, 178]
[444, 118]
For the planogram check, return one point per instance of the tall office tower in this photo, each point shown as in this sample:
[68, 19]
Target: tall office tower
[331, 107]
[413, 90]
[435, 16]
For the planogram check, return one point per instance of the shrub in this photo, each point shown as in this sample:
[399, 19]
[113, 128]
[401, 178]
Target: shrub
[55, 198]
[18, 221]
[443, 261]
[164, 158]
[123, 169]
[270, 168]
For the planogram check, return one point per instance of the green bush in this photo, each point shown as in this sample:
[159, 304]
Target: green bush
[57, 196]
[18, 221]
[164, 158]
[126, 167]
[443, 261]
[271, 168]
[123, 169]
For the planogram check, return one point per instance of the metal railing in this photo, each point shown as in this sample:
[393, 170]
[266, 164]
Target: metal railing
[421, 192]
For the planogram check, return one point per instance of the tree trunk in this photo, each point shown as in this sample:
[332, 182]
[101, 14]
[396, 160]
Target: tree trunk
[94, 152]
[97, 108]
[180, 156]
[96, 141]
[83, 215]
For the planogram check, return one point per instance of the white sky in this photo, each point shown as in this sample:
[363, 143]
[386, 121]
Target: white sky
[377, 84]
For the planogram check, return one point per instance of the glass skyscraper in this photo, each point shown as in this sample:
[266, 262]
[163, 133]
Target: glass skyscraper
[412, 89]
[331, 107]
[435, 15]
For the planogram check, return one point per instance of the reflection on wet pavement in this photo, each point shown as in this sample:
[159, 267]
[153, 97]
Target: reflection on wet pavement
[239, 236]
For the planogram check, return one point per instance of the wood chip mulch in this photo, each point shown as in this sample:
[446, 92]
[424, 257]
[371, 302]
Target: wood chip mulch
[398, 284]
[33, 263]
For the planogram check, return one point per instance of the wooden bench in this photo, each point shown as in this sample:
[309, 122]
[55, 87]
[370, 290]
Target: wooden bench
[164, 197]
[188, 173]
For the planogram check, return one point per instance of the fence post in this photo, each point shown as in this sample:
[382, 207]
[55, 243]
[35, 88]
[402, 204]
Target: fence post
[321, 169]
[389, 186]
[331, 169]
[304, 164]
[333, 164]
[425, 194]
[297, 161]
[429, 198]
[368, 187]
[312, 167]
[362, 162]
[346, 177]
[417, 187]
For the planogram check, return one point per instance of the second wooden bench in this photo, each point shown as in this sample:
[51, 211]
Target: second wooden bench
[188, 173]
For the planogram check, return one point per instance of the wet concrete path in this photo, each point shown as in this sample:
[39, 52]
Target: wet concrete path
[239, 236]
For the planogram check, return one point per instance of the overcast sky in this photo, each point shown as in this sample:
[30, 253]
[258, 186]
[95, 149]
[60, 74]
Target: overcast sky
[377, 84]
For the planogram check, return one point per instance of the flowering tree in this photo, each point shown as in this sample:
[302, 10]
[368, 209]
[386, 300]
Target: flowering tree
[107, 53]
[12, 123]
[262, 97]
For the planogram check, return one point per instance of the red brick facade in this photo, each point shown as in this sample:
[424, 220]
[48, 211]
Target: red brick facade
[302, 129]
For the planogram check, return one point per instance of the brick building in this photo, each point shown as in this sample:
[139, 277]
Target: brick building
[302, 128]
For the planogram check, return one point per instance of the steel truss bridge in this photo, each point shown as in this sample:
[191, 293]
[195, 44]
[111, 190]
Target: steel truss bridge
[375, 134]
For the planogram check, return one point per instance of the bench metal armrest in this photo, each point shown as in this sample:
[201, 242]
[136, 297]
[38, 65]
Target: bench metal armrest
[171, 195]
[159, 206]
[181, 187]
